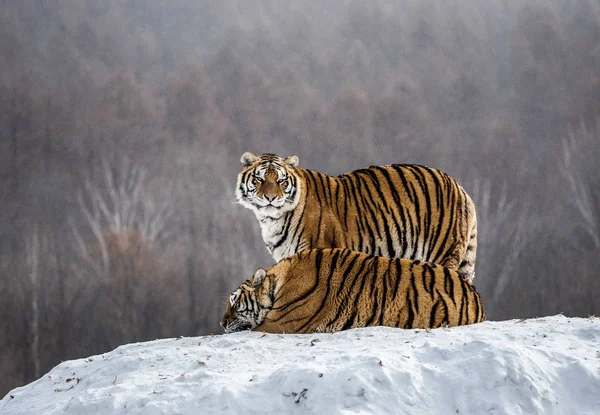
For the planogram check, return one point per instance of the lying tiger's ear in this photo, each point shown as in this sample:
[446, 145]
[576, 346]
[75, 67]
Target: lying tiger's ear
[292, 161]
[248, 158]
[259, 277]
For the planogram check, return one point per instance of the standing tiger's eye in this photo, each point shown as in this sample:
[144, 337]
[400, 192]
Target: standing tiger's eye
[282, 181]
[258, 179]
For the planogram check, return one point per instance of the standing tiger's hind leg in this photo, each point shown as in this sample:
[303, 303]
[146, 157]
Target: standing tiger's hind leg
[453, 257]
[461, 255]
[467, 265]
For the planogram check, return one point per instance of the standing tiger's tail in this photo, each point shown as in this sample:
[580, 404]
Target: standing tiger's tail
[467, 266]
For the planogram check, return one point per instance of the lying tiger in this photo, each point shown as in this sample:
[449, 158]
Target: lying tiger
[402, 211]
[328, 290]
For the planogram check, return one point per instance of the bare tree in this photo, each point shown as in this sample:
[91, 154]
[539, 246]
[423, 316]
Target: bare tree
[125, 227]
[504, 229]
[579, 166]
[120, 203]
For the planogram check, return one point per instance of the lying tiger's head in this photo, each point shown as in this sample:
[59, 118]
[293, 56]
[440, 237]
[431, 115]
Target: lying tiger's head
[268, 185]
[248, 305]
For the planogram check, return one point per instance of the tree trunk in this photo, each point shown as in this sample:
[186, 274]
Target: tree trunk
[33, 260]
[191, 268]
[191, 265]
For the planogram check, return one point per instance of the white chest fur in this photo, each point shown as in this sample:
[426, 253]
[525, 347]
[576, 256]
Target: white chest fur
[273, 230]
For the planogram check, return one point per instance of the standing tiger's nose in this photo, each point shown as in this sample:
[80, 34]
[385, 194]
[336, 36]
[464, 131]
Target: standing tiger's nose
[270, 198]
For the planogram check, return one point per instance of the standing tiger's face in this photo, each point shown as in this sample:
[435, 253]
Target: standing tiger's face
[268, 185]
[248, 305]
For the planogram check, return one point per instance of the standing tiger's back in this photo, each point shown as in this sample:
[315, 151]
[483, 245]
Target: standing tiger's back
[328, 290]
[401, 211]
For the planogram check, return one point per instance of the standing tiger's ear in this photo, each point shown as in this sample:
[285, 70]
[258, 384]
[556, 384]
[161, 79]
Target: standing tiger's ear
[248, 158]
[292, 161]
[259, 277]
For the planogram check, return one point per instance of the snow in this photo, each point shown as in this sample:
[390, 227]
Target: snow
[548, 365]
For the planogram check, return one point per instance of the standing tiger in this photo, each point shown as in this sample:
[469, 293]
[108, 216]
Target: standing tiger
[328, 290]
[401, 210]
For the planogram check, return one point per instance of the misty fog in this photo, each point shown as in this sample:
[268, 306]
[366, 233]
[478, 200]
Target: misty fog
[122, 123]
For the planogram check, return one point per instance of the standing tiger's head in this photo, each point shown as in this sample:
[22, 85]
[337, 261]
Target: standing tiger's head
[268, 185]
[248, 305]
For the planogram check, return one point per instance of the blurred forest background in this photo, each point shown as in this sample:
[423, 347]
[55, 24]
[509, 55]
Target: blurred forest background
[122, 123]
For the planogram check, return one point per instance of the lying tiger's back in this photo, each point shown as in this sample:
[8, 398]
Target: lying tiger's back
[328, 290]
[400, 211]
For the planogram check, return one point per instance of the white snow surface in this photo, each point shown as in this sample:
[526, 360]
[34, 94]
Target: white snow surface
[548, 365]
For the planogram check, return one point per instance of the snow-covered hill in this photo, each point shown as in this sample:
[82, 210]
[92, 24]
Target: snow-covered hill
[546, 365]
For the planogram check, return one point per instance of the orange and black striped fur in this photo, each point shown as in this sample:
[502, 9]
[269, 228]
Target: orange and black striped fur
[328, 290]
[402, 211]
